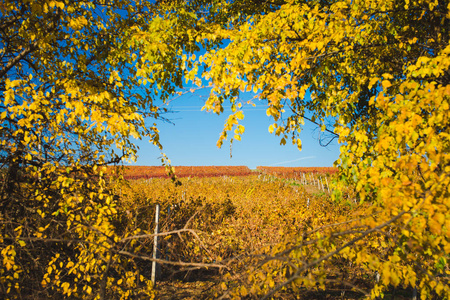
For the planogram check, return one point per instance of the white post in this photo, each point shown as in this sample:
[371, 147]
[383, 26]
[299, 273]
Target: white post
[155, 246]
[169, 210]
[414, 295]
[40, 158]
[328, 186]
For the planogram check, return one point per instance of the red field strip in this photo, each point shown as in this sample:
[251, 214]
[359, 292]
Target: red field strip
[145, 172]
[297, 170]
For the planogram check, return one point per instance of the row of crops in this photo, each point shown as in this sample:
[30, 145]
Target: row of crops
[240, 225]
[274, 233]
[146, 172]
[250, 236]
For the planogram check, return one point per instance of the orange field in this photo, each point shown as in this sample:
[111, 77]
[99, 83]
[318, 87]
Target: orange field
[145, 172]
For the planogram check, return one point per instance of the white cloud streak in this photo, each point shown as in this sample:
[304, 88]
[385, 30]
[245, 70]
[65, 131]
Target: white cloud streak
[290, 161]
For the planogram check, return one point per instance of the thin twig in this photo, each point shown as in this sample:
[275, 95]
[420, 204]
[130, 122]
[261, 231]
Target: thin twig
[175, 263]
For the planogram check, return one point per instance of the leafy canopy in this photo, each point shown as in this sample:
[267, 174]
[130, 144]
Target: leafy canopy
[79, 81]
[381, 70]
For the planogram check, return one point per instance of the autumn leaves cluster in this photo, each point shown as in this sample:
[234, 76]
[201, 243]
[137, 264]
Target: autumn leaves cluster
[80, 80]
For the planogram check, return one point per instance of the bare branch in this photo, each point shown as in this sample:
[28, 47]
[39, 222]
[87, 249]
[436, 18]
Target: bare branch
[150, 235]
[122, 252]
[319, 260]
[174, 263]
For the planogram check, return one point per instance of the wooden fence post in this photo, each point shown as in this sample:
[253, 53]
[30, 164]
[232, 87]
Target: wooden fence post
[328, 186]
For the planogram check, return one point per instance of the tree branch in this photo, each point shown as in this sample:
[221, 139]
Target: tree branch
[174, 263]
[319, 260]
[16, 59]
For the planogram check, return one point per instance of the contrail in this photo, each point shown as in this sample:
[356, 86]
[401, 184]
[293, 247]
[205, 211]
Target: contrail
[289, 161]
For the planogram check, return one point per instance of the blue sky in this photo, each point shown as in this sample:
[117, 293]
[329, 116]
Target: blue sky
[191, 140]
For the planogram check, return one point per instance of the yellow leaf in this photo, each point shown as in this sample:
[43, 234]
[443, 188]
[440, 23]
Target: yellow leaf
[435, 227]
[271, 111]
[439, 218]
[65, 287]
[320, 45]
[243, 291]
[386, 84]
[299, 144]
[372, 82]
[60, 4]
[239, 115]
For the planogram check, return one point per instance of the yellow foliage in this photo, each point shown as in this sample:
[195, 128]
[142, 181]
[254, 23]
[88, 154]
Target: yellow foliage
[390, 98]
[71, 77]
